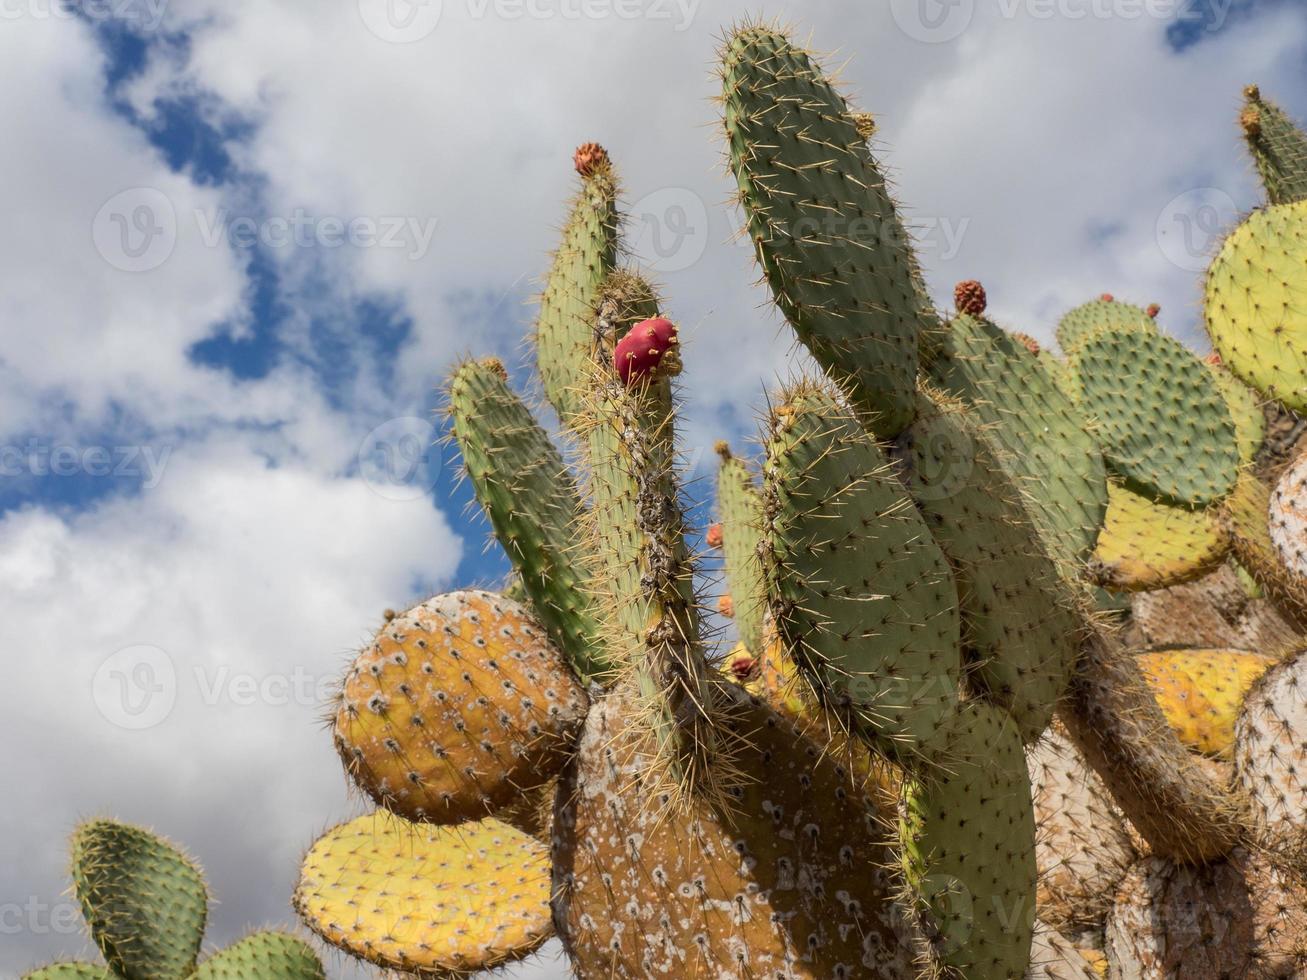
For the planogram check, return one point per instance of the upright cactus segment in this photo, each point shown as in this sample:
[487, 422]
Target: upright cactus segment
[524, 487]
[145, 902]
[428, 901]
[457, 707]
[263, 956]
[1039, 433]
[1147, 545]
[739, 502]
[1278, 147]
[1162, 425]
[565, 337]
[1106, 312]
[1255, 308]
[862, 596]
[827, 234]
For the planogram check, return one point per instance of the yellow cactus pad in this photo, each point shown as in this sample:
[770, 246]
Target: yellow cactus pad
[427, 900]
[1202, 691]
[456, 708]
[1148, 545]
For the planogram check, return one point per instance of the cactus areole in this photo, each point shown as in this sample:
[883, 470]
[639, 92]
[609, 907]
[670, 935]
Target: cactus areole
[648, 351]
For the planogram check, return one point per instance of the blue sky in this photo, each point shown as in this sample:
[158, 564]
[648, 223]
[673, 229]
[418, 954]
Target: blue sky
[239, 487]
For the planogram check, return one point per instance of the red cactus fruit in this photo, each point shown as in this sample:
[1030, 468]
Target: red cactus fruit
[715, 536]
[1026, 341]
[1107, 298]
[969, 297]
[589, 157]
[649, 349]
[1153, 310]
[1214, 359]
[744, 666]
[726, 606]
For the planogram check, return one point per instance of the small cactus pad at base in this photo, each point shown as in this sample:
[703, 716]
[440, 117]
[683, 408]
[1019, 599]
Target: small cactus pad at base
[1083, 847]
[968, 843]
[1149, 545]
[1278, 147]
[144, 900]
[1039, 433]
[430, 901]
[1270, 752]
[455, 708]
[1201, 692]
[70, 971]
[1255, 306]
[828, 236]
[1020, 635]
[788, 879]
[862, 596]
[1287, 520]
[1161, 423]
[263, 956]
[1234, 918]
[1077, 325]
[739, 504]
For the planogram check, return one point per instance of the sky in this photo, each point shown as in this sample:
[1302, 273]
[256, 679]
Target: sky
[245, 240]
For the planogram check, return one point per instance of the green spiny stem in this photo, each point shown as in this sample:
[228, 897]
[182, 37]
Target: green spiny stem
[739, 503]
[1078, 324]
[828, 236]
[71, 971]
[565, 330]
[145, 902]
[522, 483]
[263, 956]
[1278, 147]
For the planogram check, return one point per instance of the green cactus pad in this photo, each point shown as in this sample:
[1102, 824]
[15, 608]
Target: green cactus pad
[70, 971]
[522, 483]
[263, 956]
[1020, 635]
[1278, 147]
[1149, 545]
[1077, 325]
[1162, 423]
[828, 236]
[1256, 307]
[739, 503]
[967, 837]
[1039, 433]
[862, 596]
[565, 337]
[1245, 411]
[144, 900]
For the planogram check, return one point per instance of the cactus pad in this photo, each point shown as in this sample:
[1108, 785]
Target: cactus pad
[828, 236]
[1278, 147]
[145, 901]
[1246, 517]
[455, 708]
[1079, 324]
[968, 844]
[739, 503]
[431, 901]
[1271, 751]
[1162, 425]
[789, 878]
[263, 956]
[862, 596]
[1149, 545]
[1245, 411]
[1020, 637]
[1255, 307]
[1201, 692]
[1039, 433]
[1287, 519]
[70, 971]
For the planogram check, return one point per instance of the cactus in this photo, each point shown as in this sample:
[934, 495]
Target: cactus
[1256, 315]
[456, 707]
[1287, 520]
[1278, 147]
[1245, 514]
[827, 234]
[1245, 411]
[429, 901]
[1201, 692]
[1148, 545]
[739, 502]
[1161, 424]
[1106, 312]
[146, 904]
[1270, 741]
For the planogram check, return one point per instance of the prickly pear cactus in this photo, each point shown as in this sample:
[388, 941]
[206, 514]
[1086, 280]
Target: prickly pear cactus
[263, 956]
[1278, 147]
[1201, 692]
[1148, 545]
[739, 502]
[1106, 312]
